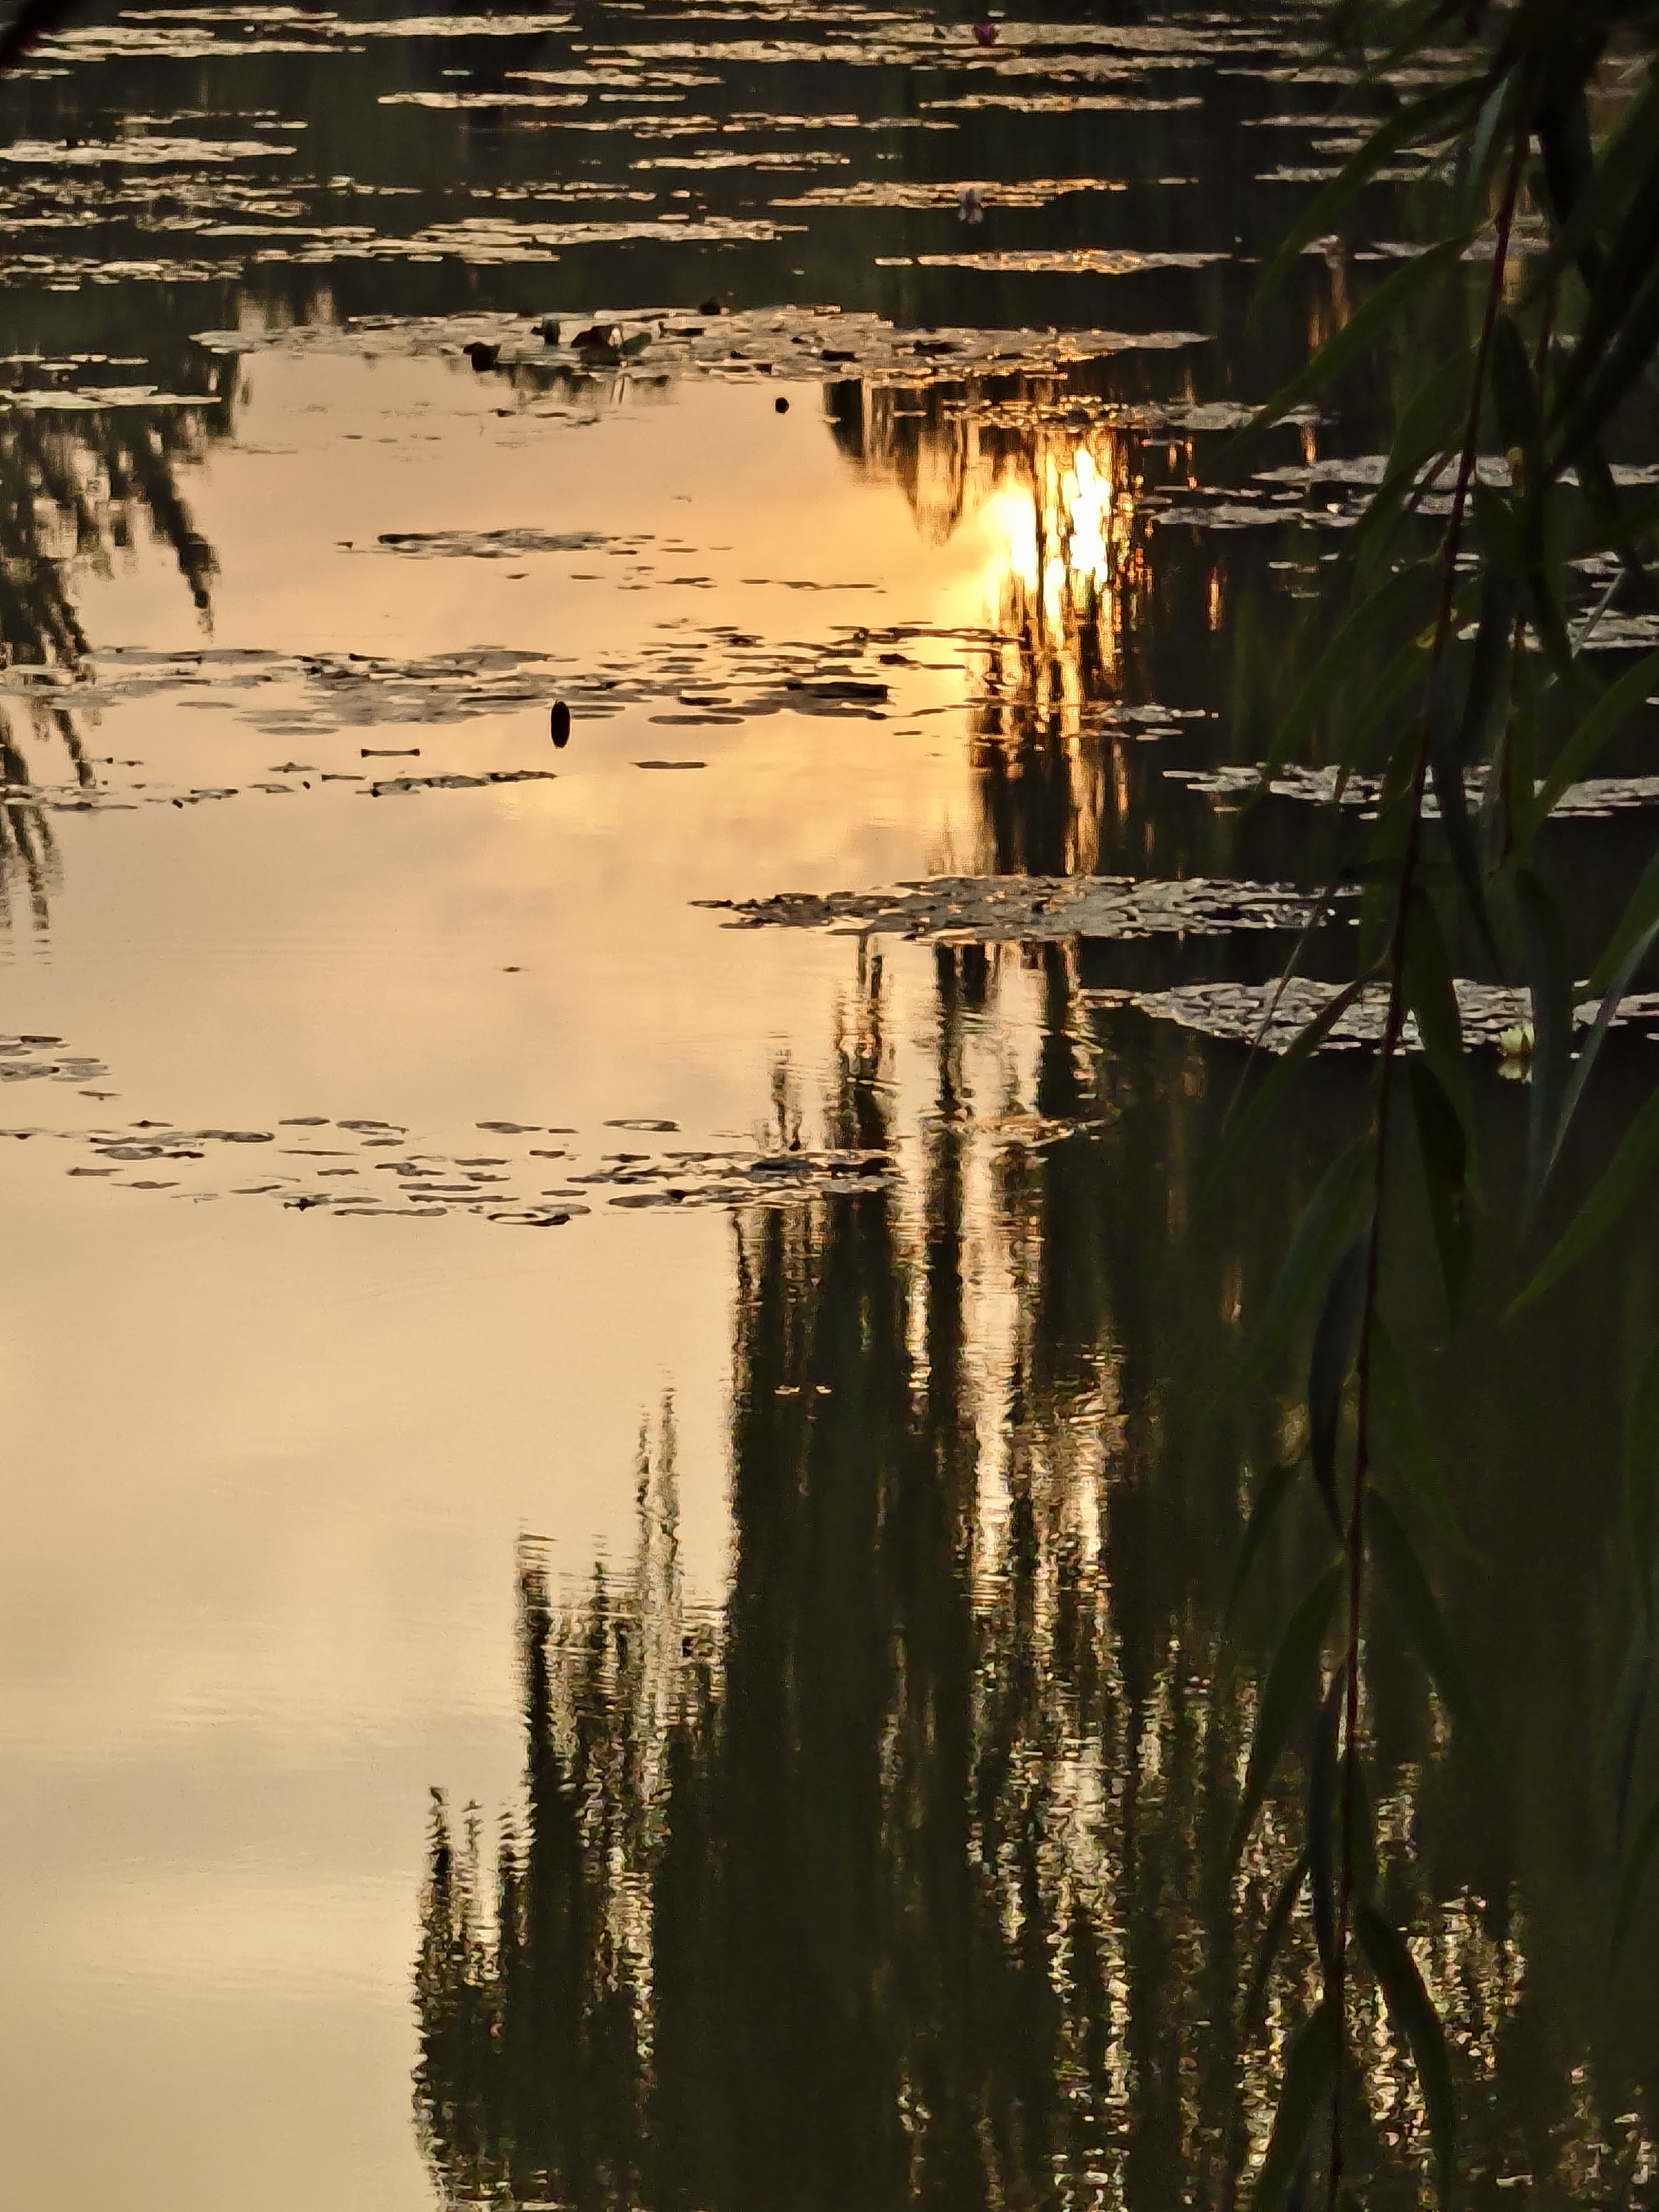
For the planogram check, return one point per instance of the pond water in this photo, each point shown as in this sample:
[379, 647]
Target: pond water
[522, 535]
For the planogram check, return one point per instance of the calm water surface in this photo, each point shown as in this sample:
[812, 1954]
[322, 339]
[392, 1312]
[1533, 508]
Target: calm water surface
[419, 1188]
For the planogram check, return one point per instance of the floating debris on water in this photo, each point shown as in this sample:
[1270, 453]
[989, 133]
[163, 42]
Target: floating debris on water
[427, 1184]
[405, 783]
[738, 344]
[1273, 1015]
[1032, 910]
[1593, 797]
[42, 1058]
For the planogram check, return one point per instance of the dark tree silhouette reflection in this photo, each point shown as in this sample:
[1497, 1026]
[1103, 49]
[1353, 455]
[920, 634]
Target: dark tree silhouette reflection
[77, 486]
[902, 1879]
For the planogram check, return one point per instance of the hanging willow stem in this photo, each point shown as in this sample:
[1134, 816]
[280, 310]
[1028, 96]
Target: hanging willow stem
[1394, 1028]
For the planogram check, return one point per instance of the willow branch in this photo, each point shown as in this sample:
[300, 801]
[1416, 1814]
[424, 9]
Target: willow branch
[1394, 1028]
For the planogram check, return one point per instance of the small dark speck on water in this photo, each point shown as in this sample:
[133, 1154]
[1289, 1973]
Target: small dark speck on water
[561, 724]
[780, 406]
[374, 752]
[483, 356]
[711, 308]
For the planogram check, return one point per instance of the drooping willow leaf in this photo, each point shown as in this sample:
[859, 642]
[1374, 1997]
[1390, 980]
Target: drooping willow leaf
[34, 20]
[1618, 296]
[1550, 980]
[1330, 1220]
[1353, 748]
[1284, 1694]
[1406, 1450]
[1403, 598]
[1275, 1487]
[1432, 999]
[1597, 728]
[1362, 1849]
[1378, 314]
[1324, 1872]
[1273, 1937]
[1420, 1611]
[1309, 2070]
[1615, 176]
[1434, 111]
[1617, 1762]
[1430, 429]
[1633, 1874]
[1624, 1175]
[1634, 953]
[1617, 369]
[1452, 747]
[1327, 1367]
[1633, 934]
[1443, 1150]
[1564, 140]
[1515, 399]
[1595, 481]
[1410, 2010]
[1270, 1097]
[1642, 1475]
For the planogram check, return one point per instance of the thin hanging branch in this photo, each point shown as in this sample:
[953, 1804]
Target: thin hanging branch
[1394, 1030]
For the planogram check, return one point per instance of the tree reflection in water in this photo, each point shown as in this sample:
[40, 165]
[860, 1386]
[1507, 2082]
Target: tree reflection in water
[902, 1880]
[1066, 479]
[78, 484]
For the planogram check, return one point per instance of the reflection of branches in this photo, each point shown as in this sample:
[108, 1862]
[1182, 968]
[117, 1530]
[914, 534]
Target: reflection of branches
[26, 849]
[927, 438]
[73, 487]
[1068, 564]
[905, 1880]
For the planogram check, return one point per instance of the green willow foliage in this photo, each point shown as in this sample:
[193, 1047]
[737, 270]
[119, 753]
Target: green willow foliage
[1456, 676]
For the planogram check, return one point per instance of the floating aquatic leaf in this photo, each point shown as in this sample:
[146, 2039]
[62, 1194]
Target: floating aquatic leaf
[990, 910]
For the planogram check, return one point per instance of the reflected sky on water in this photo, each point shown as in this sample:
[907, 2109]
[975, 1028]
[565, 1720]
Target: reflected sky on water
[398, 1115]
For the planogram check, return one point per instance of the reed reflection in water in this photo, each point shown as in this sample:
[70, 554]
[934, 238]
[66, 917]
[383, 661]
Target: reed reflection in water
[902, 1879]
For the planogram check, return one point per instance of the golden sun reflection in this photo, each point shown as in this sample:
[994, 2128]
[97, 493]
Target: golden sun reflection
[1069, 559]
[1048, 500]
[1068, 555]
